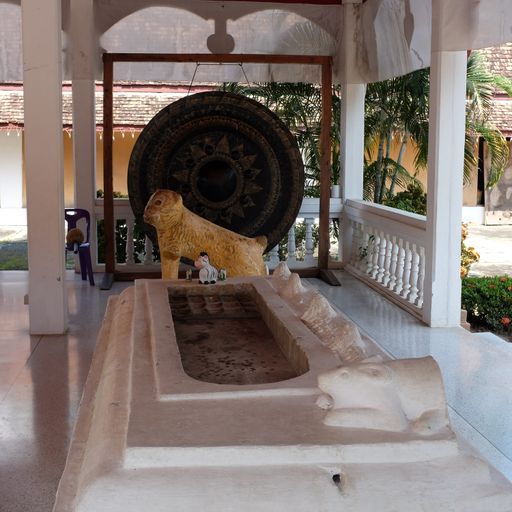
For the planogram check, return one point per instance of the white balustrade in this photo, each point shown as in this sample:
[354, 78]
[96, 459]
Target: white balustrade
[135, 259]
[387, 245]
[388, 250]
[299, 255]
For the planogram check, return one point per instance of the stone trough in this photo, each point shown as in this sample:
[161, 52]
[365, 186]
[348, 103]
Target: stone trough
[254, 394]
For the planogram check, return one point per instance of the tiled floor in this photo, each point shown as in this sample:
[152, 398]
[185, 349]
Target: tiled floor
[41, 383]
[42, 378]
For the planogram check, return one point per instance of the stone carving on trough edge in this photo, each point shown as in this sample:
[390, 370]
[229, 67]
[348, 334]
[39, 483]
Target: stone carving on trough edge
[405, 395]
[336, 332]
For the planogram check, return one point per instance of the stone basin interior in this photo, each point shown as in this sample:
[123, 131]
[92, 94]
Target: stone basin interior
[223, 338]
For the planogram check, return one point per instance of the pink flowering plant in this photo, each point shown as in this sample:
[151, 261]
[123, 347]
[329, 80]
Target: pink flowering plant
[488, 301]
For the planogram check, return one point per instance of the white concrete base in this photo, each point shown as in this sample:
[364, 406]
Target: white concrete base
[473, 214]
[134, 448]
[242, 456]
[13, 217]
[455, 484]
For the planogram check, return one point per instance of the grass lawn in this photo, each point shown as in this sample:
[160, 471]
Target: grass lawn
[13, 255]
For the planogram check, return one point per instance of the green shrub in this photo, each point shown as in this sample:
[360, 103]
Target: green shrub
[411, 200]
[488, 301]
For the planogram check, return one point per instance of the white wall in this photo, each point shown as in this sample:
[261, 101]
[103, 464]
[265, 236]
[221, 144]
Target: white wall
[11, 180]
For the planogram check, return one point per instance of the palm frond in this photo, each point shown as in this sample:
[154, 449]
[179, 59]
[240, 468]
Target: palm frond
[504, 83]
[498, 151]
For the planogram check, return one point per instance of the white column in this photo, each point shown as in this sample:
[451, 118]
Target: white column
[11, 184]
[352, 119]
[42, 85]
[353, 94]
[84, 54]
[352, 140]
[84, 143]
[442, 291]
[352, 155]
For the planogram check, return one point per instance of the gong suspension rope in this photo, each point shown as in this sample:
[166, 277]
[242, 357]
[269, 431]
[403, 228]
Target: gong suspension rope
[198, 64]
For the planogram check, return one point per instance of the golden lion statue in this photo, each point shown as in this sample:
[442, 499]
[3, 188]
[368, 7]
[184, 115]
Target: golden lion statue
[183, 233]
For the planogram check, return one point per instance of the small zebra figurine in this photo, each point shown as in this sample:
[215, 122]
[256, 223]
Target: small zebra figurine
[207, 272]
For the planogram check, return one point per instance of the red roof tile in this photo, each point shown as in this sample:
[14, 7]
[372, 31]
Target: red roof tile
[131, 108]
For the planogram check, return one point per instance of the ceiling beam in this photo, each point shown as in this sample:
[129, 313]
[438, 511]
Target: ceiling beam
[310, 2]
[306, 2]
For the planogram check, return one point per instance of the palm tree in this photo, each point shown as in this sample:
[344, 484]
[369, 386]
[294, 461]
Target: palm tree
[397, 109]
[481, 86]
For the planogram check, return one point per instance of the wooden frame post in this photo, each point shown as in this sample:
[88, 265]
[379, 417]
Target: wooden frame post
[325, 166]
[108, 175]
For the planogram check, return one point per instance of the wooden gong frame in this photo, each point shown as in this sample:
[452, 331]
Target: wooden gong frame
[324, 61]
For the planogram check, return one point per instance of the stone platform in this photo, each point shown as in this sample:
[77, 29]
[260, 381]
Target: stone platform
[150, 437]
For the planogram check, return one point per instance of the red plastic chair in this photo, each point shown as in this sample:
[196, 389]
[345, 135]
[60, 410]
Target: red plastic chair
[72, 216]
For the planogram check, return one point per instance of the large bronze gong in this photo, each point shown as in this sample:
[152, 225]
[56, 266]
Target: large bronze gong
[234, 162]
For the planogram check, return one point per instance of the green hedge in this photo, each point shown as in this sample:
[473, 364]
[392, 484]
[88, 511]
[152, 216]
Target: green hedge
[488, 301]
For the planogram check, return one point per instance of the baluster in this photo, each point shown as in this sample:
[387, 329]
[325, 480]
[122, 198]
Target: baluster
[129, 241]
[394, 263]
[356, 243]
[375, 254]
[400, 267]
[366, 262]
[308, 257]
[362, 249]
[382, 256]
[273, 257]
[148, 250]
[421, 276]
[116, 236]
[407, 272]
[413, 295]
[292, 249]
[387, 260]
[340, 238]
